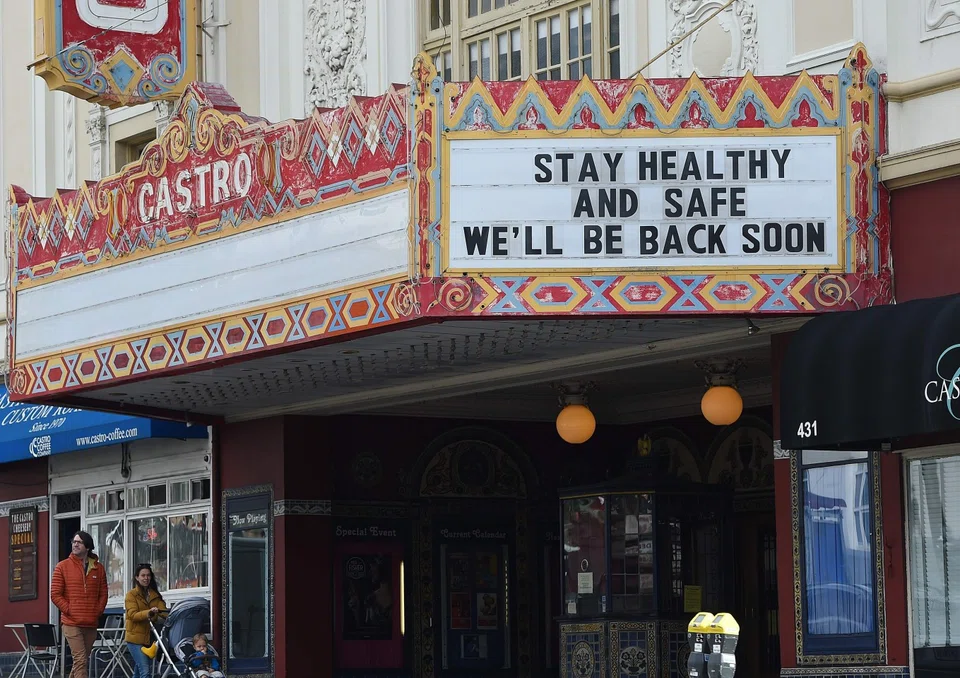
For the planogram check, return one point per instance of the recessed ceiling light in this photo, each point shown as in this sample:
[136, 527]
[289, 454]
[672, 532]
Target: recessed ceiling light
[349, 351]
[180, 381]
[116, 393]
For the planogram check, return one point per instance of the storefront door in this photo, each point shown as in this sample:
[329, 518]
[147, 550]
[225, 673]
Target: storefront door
[758, 652]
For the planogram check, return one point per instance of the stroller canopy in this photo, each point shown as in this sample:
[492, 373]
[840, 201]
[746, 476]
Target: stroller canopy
[186, 619]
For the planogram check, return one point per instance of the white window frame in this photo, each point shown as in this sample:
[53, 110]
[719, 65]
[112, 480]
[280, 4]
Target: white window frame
[523, 14]
[167, 510]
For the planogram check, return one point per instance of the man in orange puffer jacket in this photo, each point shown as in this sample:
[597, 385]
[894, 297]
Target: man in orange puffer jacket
[79, 590]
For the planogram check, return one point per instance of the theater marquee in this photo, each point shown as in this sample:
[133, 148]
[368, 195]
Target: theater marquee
[762, 202]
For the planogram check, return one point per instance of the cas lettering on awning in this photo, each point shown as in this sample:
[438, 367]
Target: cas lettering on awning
[764, 202]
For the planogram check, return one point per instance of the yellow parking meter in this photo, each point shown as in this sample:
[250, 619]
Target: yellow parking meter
[698, 637]
[724, 632]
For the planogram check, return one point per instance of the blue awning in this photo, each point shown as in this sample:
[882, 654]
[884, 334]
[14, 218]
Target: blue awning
[40, 430]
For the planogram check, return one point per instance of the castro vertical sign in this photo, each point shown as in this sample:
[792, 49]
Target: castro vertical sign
[688, 202]
[23, 554]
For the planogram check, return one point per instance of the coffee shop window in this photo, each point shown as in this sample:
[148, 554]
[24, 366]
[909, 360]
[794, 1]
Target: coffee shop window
[164, 523]
[838, 529]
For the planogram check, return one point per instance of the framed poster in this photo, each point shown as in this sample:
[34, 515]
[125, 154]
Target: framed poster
[23, 554]
[368, 572]
[367, 596]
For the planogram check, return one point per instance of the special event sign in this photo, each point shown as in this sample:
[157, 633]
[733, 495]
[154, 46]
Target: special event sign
[751, 202]
[117, 52]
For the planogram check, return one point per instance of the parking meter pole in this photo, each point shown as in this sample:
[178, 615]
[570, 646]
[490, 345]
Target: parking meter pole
[698, 631]
[724, 633]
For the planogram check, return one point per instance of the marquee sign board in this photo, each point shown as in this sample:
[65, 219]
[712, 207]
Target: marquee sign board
[762, 202]
[116, 52]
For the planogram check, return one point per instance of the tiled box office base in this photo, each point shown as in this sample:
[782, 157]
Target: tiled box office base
[620, 649]
[848, 672]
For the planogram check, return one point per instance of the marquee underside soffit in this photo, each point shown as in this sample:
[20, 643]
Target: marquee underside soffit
[422, 371]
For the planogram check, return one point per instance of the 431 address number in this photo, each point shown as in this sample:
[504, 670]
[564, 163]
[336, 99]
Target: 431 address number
[807, 429]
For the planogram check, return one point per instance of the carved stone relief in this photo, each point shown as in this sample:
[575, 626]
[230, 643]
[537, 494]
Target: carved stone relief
[69, 141]
[97, 131]
[941, 17]
[739, 21]
[334, 52]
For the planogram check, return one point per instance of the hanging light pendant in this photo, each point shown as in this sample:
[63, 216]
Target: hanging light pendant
[575, 423]
[722, 404]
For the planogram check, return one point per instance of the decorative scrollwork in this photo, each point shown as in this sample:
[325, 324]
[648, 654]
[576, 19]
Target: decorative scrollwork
[405, 300]
[832, 290]
[18, 380]
[455, 294]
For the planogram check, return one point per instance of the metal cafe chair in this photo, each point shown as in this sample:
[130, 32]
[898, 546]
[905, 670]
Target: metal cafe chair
[42, 648]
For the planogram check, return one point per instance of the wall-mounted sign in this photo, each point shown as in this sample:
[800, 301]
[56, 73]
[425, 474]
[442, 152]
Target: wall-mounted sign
[116, 52]
[23, 554]
[365, 531]
[247, 520]
[716, 202]
[472, 534]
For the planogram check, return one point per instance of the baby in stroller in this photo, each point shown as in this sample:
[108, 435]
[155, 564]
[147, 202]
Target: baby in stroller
[204, 661]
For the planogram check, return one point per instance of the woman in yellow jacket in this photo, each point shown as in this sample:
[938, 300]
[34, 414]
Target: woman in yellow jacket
[143, 605]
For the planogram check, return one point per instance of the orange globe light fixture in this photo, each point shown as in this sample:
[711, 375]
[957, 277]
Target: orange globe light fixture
[576, 424]
[721, 405]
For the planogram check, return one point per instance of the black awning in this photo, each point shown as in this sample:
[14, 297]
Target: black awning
[852, 379]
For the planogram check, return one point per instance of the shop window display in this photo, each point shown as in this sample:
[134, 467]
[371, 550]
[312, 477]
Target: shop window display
[176, 544]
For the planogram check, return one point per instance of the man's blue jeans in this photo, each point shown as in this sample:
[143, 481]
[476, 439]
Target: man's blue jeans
[141, 662]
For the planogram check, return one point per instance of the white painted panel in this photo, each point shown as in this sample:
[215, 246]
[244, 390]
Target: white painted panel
[324, 251]
[688, 202]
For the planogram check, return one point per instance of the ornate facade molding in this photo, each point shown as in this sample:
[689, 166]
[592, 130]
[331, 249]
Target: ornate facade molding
[70, 141]
[779, 452]
[941, 16]
[97, 131]
[42, 504]
[335, 49]
[301, 507]
[163, 111]
[740, 21]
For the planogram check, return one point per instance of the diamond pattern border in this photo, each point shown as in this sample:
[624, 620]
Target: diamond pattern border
[645, 293]
[280, 325]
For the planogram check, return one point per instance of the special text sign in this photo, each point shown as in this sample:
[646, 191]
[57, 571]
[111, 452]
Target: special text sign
[687, 202]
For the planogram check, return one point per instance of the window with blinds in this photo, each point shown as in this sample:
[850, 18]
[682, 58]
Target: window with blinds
[935, 551]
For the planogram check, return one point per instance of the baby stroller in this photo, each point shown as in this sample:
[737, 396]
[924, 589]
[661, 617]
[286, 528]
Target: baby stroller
[174, 639]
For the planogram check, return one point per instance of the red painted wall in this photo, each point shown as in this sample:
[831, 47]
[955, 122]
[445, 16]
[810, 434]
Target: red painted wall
[894, 558]
[781, 483]
[24, 480]
[289, 453]
[926, 238]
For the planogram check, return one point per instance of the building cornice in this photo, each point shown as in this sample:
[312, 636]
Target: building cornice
[921, 87]
[921, 165]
